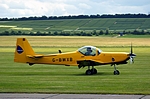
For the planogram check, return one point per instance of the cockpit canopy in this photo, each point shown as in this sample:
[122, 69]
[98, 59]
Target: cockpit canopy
[89, 50]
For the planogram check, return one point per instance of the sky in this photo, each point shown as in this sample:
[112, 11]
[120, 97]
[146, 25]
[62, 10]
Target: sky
[27, 8]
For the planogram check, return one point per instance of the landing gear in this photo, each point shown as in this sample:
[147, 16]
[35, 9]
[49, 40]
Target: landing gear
[31, 64]
[94, 71]
[116, 72]
[88, 72]
[91, 71]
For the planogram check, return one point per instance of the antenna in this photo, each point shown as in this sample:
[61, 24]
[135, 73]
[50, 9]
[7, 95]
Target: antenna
[59, 51]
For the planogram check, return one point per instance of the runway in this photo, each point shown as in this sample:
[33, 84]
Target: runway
[70, 96]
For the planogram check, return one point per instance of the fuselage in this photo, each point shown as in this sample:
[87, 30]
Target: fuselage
[71, 58]
[25, 54]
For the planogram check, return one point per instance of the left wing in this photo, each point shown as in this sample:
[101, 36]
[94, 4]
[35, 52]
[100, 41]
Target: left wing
[83, 63]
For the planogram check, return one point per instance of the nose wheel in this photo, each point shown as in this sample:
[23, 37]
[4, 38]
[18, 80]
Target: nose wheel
[116, 72]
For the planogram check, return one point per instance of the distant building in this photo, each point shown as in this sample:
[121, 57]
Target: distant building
[121, 33]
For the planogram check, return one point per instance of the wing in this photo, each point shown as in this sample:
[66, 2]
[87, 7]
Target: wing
[83, 63]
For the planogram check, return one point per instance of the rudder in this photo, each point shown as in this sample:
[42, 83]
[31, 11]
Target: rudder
[23, 49]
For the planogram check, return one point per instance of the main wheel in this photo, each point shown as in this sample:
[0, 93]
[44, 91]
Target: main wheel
[30, 64]
[88, 72]
[94, 71]
[116, 72]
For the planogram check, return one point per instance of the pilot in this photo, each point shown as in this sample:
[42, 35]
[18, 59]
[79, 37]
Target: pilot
[89, 51]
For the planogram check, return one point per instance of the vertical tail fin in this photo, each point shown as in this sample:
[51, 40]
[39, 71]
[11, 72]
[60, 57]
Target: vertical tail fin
[23, 49]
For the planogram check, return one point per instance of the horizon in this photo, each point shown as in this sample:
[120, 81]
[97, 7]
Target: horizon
[77, 15]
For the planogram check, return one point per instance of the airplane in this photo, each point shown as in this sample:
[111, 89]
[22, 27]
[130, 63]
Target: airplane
[89, 56]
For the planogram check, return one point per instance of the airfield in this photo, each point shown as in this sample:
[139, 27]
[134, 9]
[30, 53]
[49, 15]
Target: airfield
[54, 79]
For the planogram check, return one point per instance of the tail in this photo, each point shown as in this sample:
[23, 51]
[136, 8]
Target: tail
[23, 49]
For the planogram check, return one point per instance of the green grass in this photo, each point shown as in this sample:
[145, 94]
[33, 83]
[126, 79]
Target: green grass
[113, 24]
[136, 36]
[22, 78]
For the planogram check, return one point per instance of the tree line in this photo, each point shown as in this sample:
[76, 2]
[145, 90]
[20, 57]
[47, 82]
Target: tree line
[75, 33]
[77, 17]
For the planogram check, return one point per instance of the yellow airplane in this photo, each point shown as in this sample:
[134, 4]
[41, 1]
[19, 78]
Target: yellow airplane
[85, 56]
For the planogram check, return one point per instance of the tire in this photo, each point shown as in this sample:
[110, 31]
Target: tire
[116, 72]
[94, 71]
[88, 72]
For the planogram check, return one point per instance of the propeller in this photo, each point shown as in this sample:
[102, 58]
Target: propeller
[132, 55]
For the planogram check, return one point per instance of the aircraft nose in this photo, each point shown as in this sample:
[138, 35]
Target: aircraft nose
[131, 55]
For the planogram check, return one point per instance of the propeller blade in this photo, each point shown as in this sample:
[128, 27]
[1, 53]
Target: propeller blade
[132, 55]
[131, 49]
[131, 59]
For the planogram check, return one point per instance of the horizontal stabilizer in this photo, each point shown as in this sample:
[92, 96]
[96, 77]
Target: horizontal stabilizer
[35, 56]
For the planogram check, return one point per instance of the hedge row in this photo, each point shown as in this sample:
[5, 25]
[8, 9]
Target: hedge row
[74, 33]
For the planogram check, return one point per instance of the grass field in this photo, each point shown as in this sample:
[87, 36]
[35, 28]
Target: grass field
[112, 24]
[21, 78]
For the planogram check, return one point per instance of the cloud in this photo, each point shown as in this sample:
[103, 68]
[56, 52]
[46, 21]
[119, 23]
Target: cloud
[26, 8]
[118, 7]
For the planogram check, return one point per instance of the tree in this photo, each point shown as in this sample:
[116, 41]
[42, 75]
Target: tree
[38, 33]
[101, 32]
[94, 32]
[19, 33]
[107, 32]
[6, 33]
[55, 33]
[31, 33]
[13, 33]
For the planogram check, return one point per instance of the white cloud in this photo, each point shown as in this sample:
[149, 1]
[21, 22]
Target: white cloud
[84, 6]
[26, 8]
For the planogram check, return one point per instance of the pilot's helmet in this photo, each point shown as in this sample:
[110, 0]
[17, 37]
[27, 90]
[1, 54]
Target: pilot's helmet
[89, 49]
